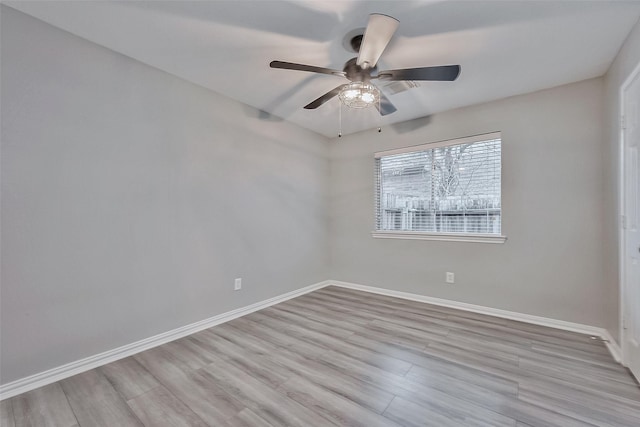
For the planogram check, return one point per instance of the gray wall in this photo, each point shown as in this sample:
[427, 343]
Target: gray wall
[626, 60]
[131, 199]
[551, 264]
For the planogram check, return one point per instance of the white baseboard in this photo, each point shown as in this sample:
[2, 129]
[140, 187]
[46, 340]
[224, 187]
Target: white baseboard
[611, 344]
[65, 371]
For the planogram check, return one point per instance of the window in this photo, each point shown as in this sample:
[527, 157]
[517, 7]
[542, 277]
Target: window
[447, 190]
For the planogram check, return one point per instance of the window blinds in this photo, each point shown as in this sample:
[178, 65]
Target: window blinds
[445, 187]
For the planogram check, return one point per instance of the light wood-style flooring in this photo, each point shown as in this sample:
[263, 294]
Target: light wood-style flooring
[348, 358]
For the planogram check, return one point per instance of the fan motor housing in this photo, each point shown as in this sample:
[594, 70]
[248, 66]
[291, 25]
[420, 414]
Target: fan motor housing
[356, 73]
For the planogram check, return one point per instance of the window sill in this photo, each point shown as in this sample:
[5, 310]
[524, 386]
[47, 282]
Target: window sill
[472, 238]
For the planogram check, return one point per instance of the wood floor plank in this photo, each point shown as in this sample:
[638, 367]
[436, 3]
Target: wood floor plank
[434, 327]
[582, 411]
[129, 377]
[263, 332]
[579, 367]
[370, 306]
[278, 408]
[95, 402]
[558, 333]
[475, 361]
[6, 413]
[289, 333]
[440, 366]
[158, 407]
[399, 305]
[406, 334]
[591, 396]
[260, 366]
[536, 416]
[488, 330]
[465, 385]
[300, 322]
[287, 364]
[207, 399]
[365, 394]
[162, 363]
[386, 334]
[573, 354]
[45, 406]
[411, 414]
[628, 390]
[487, 344]
[331, 319]
[248, 342]
[449, 391]
[246, 418]
[508, 406]
[332, 406]
[402, 334]
[472, 351]
[451, 394]
[338, 330]
[312, 303]
[416, 308]
[410, 306]
[189, 353]
[539, 334]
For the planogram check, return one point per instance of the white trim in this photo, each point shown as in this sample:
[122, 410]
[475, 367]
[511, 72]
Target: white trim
[612, 345]
[412, 235]
[496, 312]
[52, 375]
[623, 211]
[430, 145]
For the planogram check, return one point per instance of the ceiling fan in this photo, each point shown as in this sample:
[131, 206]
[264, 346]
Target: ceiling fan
[361, 93]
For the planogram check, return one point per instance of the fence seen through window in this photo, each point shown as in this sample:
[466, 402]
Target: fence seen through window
[453, 187]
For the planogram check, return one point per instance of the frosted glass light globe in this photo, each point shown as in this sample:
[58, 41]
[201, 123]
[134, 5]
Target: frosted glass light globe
[359, 95]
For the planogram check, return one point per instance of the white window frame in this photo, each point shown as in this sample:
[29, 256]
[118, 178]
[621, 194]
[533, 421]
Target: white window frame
[421, 235]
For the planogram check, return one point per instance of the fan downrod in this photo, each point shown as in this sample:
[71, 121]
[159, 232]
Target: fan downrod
[356, 42]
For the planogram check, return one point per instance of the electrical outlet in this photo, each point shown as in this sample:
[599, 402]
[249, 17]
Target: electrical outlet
[237, 285]
[450, 277]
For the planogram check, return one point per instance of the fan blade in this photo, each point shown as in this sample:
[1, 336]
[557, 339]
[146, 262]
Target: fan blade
[302, 67]
[376, 37]
[446, 73]
[324, 98]
[385, 107]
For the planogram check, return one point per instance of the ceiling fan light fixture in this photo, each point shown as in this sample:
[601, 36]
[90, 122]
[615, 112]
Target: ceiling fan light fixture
[370, 43]
[359, 95]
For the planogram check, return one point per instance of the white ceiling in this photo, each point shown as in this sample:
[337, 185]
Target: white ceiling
[505, 48]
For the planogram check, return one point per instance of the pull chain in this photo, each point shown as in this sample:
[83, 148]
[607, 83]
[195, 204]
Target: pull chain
[340, 121]
[379, 115]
